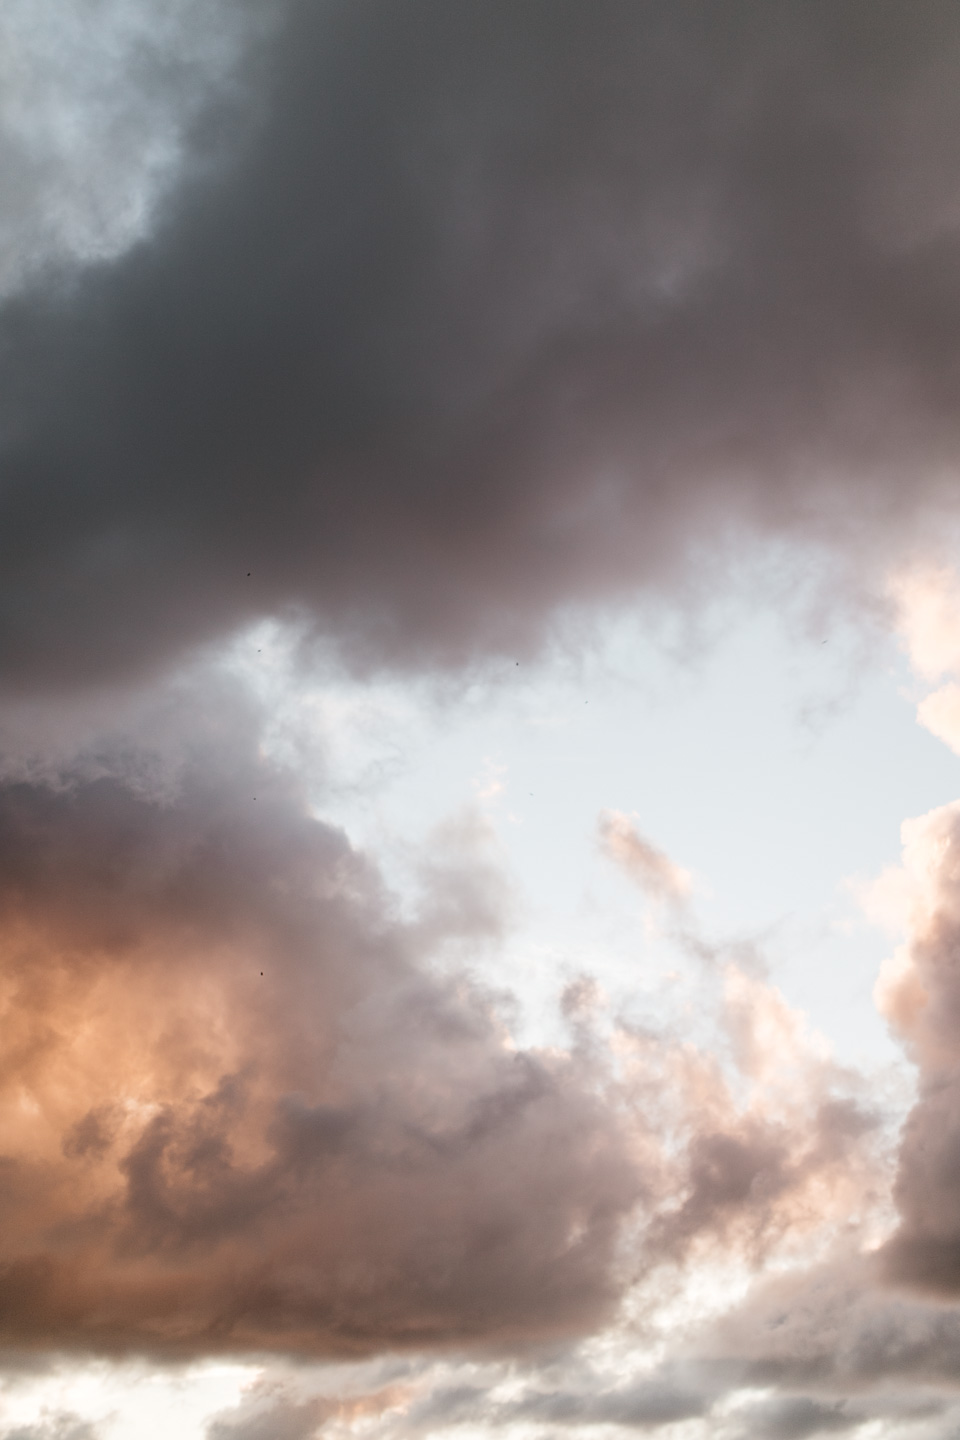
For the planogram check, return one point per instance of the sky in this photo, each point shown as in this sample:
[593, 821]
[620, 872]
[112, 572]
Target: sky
[479, 720]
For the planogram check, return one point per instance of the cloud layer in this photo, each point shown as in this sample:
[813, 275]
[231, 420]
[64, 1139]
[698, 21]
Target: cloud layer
[460, 317]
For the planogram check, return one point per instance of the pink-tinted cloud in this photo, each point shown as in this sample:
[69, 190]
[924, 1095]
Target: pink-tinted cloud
[919, 992]
[238, 1111]
[919, 986]
[648, 867]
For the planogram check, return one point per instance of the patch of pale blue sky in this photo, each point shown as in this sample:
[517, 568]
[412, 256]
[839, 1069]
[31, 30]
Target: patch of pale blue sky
[776, 767]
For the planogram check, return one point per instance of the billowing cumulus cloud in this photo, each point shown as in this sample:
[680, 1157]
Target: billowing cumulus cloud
[460, 316]
[240, 1111]
[248, 1103]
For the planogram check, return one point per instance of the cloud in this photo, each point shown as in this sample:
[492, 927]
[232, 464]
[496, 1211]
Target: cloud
[927, 601]
[772, 1151]
[919, 993]
[53, 1427]
[644, 1405]
[834, 1329]
[458, 318]
[814, 1351]
[250, 1102]
[284, 1420]
[918, 989]
[647, 866]
[96, 111]
[241, 1110]
[797, 1416]
[272, 1411]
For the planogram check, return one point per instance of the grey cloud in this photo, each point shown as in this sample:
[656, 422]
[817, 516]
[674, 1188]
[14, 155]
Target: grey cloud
[794, 1417]
[95, 106]
[644, 1405]
[926, 1248]
[460, 316]
[451, 1405]
[742, 1181]
[282, 1420]
[924, 1008]
[834, 1328]
[54, 1427]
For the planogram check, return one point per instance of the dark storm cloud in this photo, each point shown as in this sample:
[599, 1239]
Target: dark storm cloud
[95, 104]
[461, 314]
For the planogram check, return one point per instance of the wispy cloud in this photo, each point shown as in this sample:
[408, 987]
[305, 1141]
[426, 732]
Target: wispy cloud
[655, 873]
